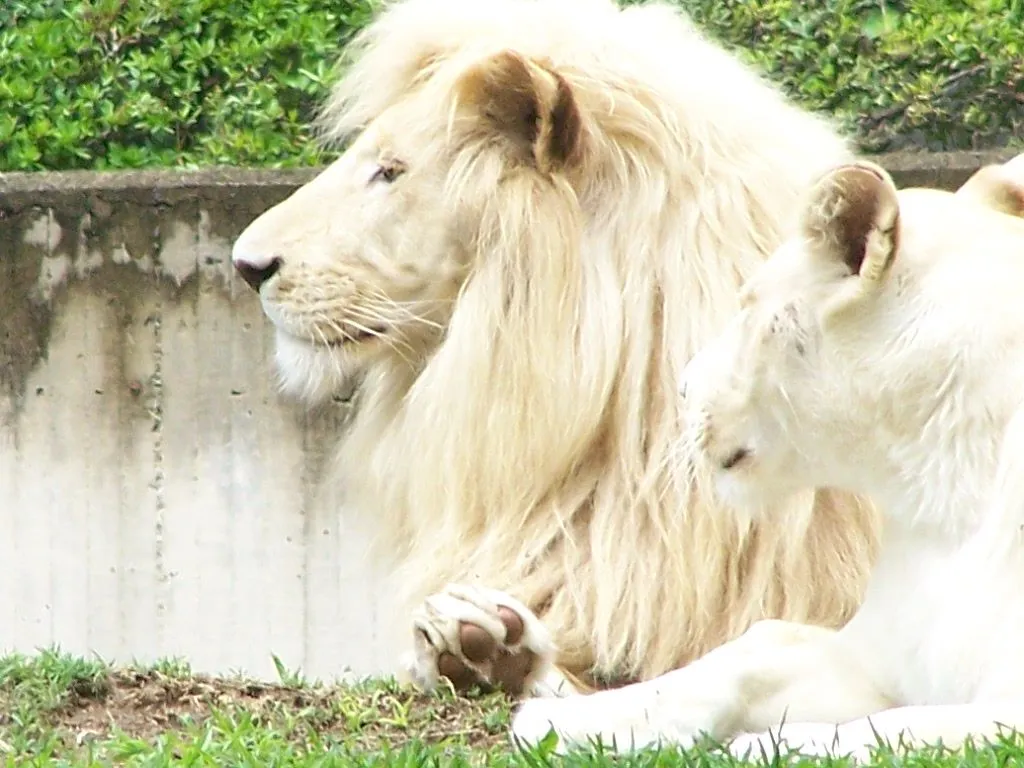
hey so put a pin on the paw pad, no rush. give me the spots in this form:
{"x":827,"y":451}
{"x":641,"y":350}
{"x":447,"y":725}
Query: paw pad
{"x":507,"y":668}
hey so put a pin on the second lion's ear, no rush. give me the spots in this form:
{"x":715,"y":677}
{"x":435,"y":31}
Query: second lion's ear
{"x":852,"y":216}
{"x":998,"y":186}
{"x":527,"y":105}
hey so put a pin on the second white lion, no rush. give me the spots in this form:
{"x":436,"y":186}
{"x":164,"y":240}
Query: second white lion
{"x":880,"y":351}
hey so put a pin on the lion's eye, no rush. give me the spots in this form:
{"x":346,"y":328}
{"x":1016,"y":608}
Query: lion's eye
{"x":387,"y":173}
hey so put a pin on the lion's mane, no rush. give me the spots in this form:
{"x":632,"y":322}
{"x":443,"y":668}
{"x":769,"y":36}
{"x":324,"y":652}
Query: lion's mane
{"x":531,"y":450}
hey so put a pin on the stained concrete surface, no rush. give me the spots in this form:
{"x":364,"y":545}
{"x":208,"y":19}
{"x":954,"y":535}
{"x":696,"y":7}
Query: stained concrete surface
{"x":157,"y":497}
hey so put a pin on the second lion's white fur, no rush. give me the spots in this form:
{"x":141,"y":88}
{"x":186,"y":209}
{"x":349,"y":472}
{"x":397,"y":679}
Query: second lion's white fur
{"x":880,"y":350}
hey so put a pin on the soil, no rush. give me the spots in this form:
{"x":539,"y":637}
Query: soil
{"x":146,"y":704}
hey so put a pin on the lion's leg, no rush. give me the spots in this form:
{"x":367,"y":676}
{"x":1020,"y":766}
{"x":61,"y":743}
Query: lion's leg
{"x":776,"y":671}
{"x":477,"y":636}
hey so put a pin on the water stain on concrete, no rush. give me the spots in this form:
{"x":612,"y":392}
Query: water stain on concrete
{"x":125,"y":241}
{"x":24,"y":321}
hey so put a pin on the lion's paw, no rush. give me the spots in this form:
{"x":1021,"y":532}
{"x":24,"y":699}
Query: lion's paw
{"x":480,"y":637}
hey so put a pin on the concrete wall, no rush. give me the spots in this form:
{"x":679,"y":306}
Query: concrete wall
{"x":157,"y":498}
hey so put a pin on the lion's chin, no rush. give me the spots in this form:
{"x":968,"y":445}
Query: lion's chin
{"x":746,"y":496}
{"x":311,"y":372}
{"x":754,"y":493}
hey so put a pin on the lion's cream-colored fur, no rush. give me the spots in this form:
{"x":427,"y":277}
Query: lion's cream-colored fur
{"x":879,"y":350}
{"x":1000,"y":186}
{"x":515,"y":426}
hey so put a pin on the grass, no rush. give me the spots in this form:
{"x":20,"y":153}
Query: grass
{"x":61,"y":710}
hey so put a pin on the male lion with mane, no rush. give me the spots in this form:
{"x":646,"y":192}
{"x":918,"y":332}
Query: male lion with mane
{"x":543,"y":210}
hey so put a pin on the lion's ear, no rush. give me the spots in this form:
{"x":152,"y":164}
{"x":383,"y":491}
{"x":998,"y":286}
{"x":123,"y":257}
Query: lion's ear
{"x":853,"y":216}
{"x":998,"y":186}
{"x":529,"y":105}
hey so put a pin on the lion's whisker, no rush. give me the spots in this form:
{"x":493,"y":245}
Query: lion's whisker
{"x":398,"y":345}
{"x":378,"y":314}
{"x":406,"y":310}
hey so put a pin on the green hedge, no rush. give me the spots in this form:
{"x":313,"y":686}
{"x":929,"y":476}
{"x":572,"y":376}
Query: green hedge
{"x":925,"y":74}
{"x":142,"y":83}
{"x":134,"y":83}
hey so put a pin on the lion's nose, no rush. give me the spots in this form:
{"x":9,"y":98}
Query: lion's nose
{"x":255,"y":270}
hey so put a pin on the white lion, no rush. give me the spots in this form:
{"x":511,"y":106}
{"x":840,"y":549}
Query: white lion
{"x":880,"y":350}
{"x":546,"y":206}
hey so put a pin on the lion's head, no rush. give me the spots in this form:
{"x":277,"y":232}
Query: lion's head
{"x":860,"y":336}
{"x":366,"y":261}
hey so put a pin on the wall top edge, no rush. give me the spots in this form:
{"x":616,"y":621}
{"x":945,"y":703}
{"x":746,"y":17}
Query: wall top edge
{"x":19,"y":190}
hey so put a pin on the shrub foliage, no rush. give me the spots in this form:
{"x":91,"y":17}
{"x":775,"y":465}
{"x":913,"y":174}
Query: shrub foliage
{"x":142,"y":83}
{"x":132,"y":83}
{"x":902,"y":74}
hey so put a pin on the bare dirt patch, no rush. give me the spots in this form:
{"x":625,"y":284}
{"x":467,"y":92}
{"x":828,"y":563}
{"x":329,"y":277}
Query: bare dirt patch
{"x":146,"y":704}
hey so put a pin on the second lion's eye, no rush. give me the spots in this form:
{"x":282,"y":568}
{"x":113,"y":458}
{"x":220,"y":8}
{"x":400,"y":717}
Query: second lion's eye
{"x":387,"y":173}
